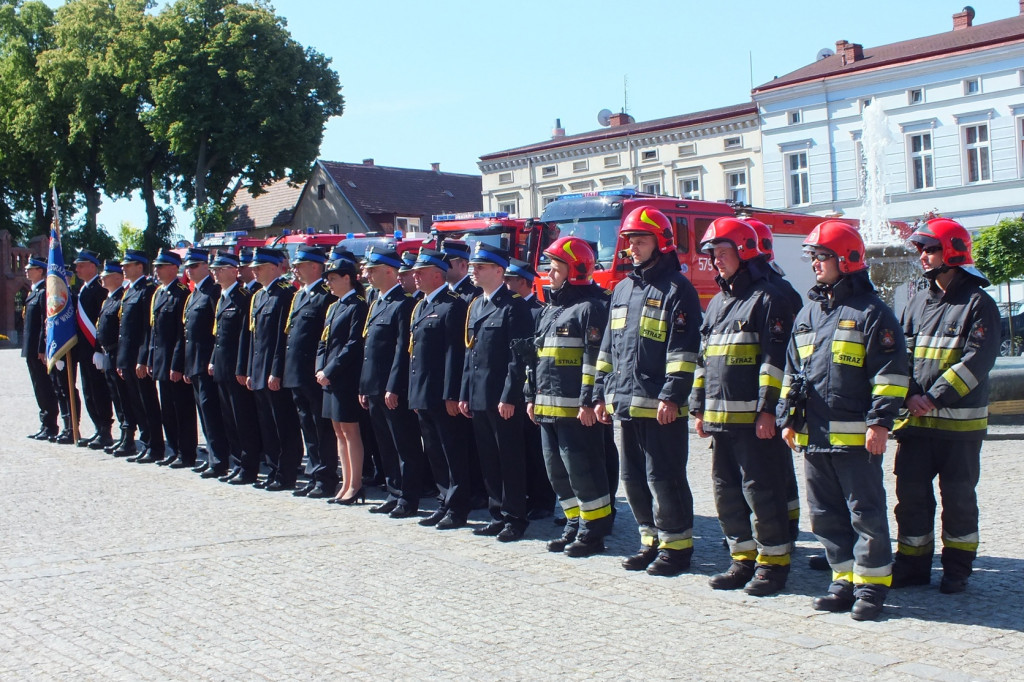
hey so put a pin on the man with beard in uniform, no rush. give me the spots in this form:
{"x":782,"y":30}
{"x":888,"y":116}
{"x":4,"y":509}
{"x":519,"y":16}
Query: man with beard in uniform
{"x":33,"y":344}
{"x":108,"y":327}
{"x":167,"y":362}
{"x":91,"y":295}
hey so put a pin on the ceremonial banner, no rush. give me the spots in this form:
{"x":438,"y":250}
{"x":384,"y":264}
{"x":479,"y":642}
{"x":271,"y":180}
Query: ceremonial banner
{"x":60,"y":315}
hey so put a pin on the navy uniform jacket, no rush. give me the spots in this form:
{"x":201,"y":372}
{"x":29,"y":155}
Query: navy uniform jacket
{"x":436,"y":350}
{"x":266,"y":322}
{"x":233,"y":337}
{"x":339,"y":353}
{"x":33,"y":341}
{"x":492,"y":373}
{"x":91,"y":296}
{"x":108,"y":326}
{"x":133,"y":344}
{"x":167,"y":338}
{"x":304,"y":328}
{"x":200,"y":310}
{"x":386,"y":364}
{"x":536,"y":308}
{"x":467,"y":290}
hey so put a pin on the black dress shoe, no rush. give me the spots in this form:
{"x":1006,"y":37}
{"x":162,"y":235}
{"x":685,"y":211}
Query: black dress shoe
{"x":84,"y":442}
{"x":491,"y":529}
{"x":41,"y":432}
{"x":101,"y":443}
{"x":451,"y":521}
{"x":242,"y":479}
{"x":260,"y":484}
{"x":150,"y":458}
{"x":63,"y":438}
{"x":319,"y":492}
{"x":179,"y":464}
{"x":200,"y":468}
{"x":403,"y":511}
{"x":230,"y":476}
{"x":212,"y":473}
{"x":141,"y":453}
{"x":434,"y":518}
{"x":276,"y":486}
{"x":168,"y":460}
{"x":46,"y":435}
{"x":511,"y":533}
{"x":384,"y":508}
{"x":304,"y":490}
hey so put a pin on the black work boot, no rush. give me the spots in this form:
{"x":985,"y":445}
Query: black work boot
{"x":569,"y":531}
{"x":839,"y":597}
{"x":952,"y":584}
{"x":735,"y":577}
{"x":670,"y":562}
{"x":957,"y":566}
{"x":585,"y":545}
{"x":768,"y":579}
{"x":102,"y":440}
{"x":908,"y":571}
{"x":642,"y":559}
{"x":869,"y":602}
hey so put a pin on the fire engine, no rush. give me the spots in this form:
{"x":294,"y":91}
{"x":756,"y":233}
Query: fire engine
{"x":232,"y":241}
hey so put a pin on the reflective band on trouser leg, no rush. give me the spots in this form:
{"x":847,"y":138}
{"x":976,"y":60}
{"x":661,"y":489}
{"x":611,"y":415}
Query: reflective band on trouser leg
{"x":967,"y":543}
{"x":895,"y":385}
{"x":570,"y":507}
{"x":863,"y":575}
{"x":648,"y":537}
{"x":794,"y":509}
{"x":843,"y":571}
{"x":596,"y":509}
{"x":773,"y":559}
{"x":848,"y":434}
{"x":682,"y":540}
{"x":743,"y":551}
{"x":915,"y":545}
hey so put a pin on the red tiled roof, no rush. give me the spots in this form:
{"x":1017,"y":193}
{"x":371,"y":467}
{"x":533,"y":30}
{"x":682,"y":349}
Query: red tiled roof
{"x":707,"y":116}
{"x":377,"y":190}
{"x":273,"y":208}
{"x":966,"y":39}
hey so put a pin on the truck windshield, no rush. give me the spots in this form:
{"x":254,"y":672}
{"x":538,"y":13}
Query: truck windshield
{"x":602,"y":233}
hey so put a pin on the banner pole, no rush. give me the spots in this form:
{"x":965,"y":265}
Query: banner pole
{"x":72,"y":395}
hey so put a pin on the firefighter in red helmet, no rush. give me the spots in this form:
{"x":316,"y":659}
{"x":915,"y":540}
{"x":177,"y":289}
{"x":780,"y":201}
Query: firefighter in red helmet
{"x":846,"y":379}
{"x":952,"y":332}
{"x":735,"y":395}
{"x":644,"y":375}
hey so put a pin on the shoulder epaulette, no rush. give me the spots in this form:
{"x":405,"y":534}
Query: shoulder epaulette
{"x":361,"y":298}
{"x":181,"y":285}
{"x":453,"y":294}
{"x":246,"y":291}
{"x":408,"y":295}
{"x":283,"y":284}
{"x":324,"y":288}
{"x":516,"y":296}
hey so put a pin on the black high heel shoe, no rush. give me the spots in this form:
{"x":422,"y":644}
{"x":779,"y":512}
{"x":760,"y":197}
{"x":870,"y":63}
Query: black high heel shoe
{"x":359,"y":495}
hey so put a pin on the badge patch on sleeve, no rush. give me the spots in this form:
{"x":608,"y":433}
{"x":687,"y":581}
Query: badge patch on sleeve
{"x":680,"y":321}
{"x":978,"y":334}
{"x":887,"y":339}
{"x":593,"y":335}
{"x":777,"y":330}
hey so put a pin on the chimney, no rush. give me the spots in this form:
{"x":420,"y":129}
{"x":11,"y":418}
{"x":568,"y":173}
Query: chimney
{"x":841,"y":45}
{"x":622,"y":119}
{"x":558,"y":131}
{"x":367,"y":162}
{"x":436,"y":167}
{"x":851,"y":52}
{"x":963,"y":19}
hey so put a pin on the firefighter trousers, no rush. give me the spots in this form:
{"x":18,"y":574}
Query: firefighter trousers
{"x":574,"y":458}
{"x":751,"y":493}
{"x":846,"y":501}
{"x":957,"y":463}
{"x":653,"y":469}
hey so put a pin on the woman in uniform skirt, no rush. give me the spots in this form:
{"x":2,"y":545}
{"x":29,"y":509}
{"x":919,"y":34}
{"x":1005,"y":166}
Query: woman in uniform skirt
{"x":338,"y":359}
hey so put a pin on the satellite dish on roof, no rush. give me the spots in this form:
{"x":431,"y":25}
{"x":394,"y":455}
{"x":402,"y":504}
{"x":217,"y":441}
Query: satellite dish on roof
{"x":824,"y":53}
{"x":604,"y":117}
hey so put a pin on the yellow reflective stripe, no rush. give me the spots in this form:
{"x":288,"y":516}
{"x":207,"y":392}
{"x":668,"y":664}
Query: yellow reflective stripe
{"x":618,"y":318}
{"x":648,"y":540}
{"x":848,"y":353}
{"x":802,"y":439}
{"x":773,"y":560}
{"x":846,"y":439}
{"x":965,"y":546}
{"x":588,"y":379}
{"x":686,"y":543}
{"x":715,"y":417}
{"x":698,"y":382}
{"x":735,"y":350}
{"x":908,"y":550}
{"x":552,"y":411}
{"x":954,"y":380}
{"x":805,"y":351}
{"x":676,"y":367}
{"x":872,"y":579}
{"x":603,"y":366}
{"x":958,"y":425}
{"x":946,"y":356}
{"x":652,"y":328}
{"x":644,"y":412}
{"x":594,"y":514}
{"x":562,"y":356}
{"x":842,"y":575}
{"x":890,"y":390}
{"x":794,"y":514}
{"x":572,"y":513}
{"x":769,"y":380}
{"x":749,"y":555}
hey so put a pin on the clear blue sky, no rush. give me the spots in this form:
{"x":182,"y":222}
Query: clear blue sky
{"x":449,"y":80}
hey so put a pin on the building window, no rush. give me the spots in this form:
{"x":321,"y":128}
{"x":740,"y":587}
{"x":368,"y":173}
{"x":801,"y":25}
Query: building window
{"x":1020,"y":143}
{"x":653,"y":187}
{"x":689,"y":188}
{"x":548,"y":171}
{"x":736,"y":186}
{"x":613,"y":183}
{"x":611,"y":161}
{"x":794,"y":117}
{"x":733,"y":142}
{"x":972,"y":86}
{"x":976,"y":153}
{"x":649,"y":155}
{"x":321,"y":192}
{"x":407,"y":225}
{"x":580,"y":166}
{"x":544,"y":201}
{"x":799,"y":179}
{"x":505,"y":178}
{"x":507,"y":207}
{"x":915,"y":96}
{"x":687,"y":149}
{"x":921,"y":164}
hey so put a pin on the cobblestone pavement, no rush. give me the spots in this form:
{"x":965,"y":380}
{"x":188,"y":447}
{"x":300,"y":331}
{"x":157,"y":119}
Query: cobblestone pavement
{"x":111,"y":570}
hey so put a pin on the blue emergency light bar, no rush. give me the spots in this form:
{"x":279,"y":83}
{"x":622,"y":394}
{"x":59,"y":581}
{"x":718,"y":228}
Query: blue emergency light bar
{"x":624,"y":192}
{"x":446,"y":217}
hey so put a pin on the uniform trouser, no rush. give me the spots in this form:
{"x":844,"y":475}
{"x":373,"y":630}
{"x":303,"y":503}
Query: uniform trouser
{"x":97,"y":395}
{"x":957,"y":463}
{"x":446,"y":446}
{"x":66,"y":392}
{"x":317,"y":434}
{"x":238,"y":411}
{"x":279,"y":429}
{"x":118,"y":391}
{"x":401,"y":451}
{"x":145,"y":407}
{"x":750,"y":484}
{"x":574,"y":457}
{"x":540,"y":496}
{"x":207,"y":398}
{"x":178,"y":413}
{"x":611,"y":458}
{"x":499,"y":444}
{"x":792,"y":491}
{"x":653,"y":470}
{"x":46,"y":397}
{"x":371,"y":452}
{"x":846,"y":501}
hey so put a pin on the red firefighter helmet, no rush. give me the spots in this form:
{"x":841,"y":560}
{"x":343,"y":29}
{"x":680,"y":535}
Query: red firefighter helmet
{"x":764,"y":238}
{"x":644,"y":220}
{"x":843,"y":240}
{"x":954,"y":239}
{"x":577,"y":254}
{"x":734,"y":231}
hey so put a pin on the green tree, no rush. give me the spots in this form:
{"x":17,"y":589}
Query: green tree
{"x":999,"y":253}
{"x":129,"y":237}
{"x":236,"y":98}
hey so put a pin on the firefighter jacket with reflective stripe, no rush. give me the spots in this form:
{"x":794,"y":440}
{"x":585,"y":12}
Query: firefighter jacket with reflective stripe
{"x":649,"y":350}
{"x":953,"y":340}
{"x":742,"y":358}
{"x":568,"y":340}
{"x":853,"y":352}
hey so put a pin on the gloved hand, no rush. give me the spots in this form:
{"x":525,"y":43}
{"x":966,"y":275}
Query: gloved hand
{"x":100,"y":361}
{"x":59,"y":365}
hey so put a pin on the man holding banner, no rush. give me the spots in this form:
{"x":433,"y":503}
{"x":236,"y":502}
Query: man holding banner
{"x":61,"y":333}
{"x":91,"y":295}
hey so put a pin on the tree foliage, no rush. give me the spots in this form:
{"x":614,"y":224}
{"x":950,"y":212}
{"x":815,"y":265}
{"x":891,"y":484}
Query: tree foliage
{"x":999,"y":250}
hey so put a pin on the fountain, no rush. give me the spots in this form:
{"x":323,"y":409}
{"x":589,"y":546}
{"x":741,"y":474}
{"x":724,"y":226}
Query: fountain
{"x":893,"y":266}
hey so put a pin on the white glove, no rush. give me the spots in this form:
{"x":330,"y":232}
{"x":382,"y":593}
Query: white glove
{"x":59,"y":365}
{"x":100,"y":361}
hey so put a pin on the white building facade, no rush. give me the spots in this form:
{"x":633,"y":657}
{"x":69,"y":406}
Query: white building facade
{"x":711,"y":155}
